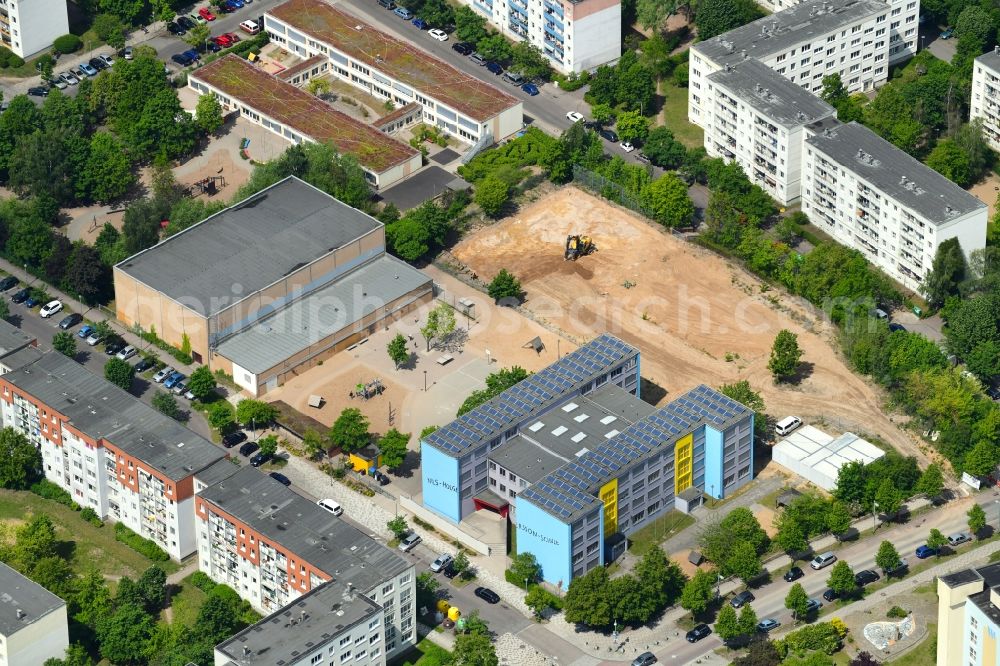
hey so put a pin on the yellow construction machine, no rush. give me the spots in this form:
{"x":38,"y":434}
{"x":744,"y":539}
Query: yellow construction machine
{"x":578,"y":246}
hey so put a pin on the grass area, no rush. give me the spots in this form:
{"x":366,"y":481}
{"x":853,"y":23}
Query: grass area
{"x":651,"y":535}
{"x":426,"y":653}
{"x":186,"y":602}
{"x":924,"y":654}
{"x":92,"y":546}
{"x":462,"y":581}
{"x":675,"y":113}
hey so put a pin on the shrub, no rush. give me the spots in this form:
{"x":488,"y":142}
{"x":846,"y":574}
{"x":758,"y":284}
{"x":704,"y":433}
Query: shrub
{"x":67,"y":44}
{"x":140,"y":544}
{"x":897,"y":612}
{"x":201,"y":580}
{"x":15,"y":60}
{"x":91,"y":517}
{"x":5,"y":56}
{"x":51,"y":491}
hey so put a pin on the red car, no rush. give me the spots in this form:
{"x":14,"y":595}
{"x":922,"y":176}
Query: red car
{"x":223,"y":41}
{"x":205,"y":14}
{"x":233,"y":37}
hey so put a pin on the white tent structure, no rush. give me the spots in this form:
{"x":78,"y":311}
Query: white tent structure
{"x":818,"y":457}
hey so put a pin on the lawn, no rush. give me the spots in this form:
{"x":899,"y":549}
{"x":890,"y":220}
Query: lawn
{"x":427,"y":653}
{"x":92,"y":546}
{"x":675,"y":113}
{"x":651,"y":535}
{"x":185,"y":603}
{"x":924,"y":654}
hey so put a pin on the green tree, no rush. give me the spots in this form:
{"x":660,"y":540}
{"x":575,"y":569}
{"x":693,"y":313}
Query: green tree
{"x":948,"y":271}
{"x":659,"y":578}
{"x":785,"y":356}
{"x":408,"y":239}
{"x":107,"y":173}
{"x":668,"y":201}
{"x":936,"y":540}
{"x":221,"y":416}
{"x":398,"y":351}
{"x":742,"y":561}
{"x":931,"y":482}
{"x":727,"y":625}
{"x":663,"y":149}
{"x":587,"y":600}
{"x":838,"y":518}
{"x":496,"y":383}
{"x":255,"y":412}
{"x":973,"y":321}
{"x":208,"y":112}
{"x":461,"y":564}
{"x":888,"y":498}
{"x":4,"y":310}
{"x":797,"y":601}
{"x":748,"y":620}
{"x":491,"y":195}
{"x":125,"y":637}
{"x":790,"y":535}
{"x":268,"y":446}
{"x":841,"y":579}
{"x":474,"y":650}
{"x":714,"y":17}
{"x":202,"y":383}
{"x":742,"y":393}
{"x":632,"y":126}
{"x":699,"y":591}
{"x":602,"y":113}
{"x":949,"y":160}
{"x":86,"y":275}
{"x":64,"y":342}
{"x":398,"y":527}
{"x":834,"y":91}
{"x":469,"y":26}
{"x":314,"y":443}
{"x":438,"y":14}
{"x":198,"y":36}
{"x":524,"y":566}
{"x":350,"y":431}
{"x":761,"y":652}
{"x":851,"y":483}
{"x":504,"y":285}
{"x":152,"y":586}
{"x":977,"y":519}
{"x":887,"y":557}
{"x":20,"y":461}
{"x":494,"y":47}
{"x":140,"y":226}
{"x":167,"y":404}
{"x":107,"y":27}
{"x":120,"y":373}
{"x":531,"y":62}
{"x":392,"y":448}
{"x":984,"y":361}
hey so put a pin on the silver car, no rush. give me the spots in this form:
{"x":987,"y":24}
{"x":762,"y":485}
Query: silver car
{"x":69,"y":78}
{"x":163,"y":374}
{"x":409,"y":542}
{"x":442,"y":562}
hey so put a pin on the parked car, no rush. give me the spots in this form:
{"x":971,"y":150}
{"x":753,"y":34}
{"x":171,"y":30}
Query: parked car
{"x":741,"y":599}
{"x":70,"y":320}
{"x":530,"y":88}
{"x":574,"y":117}
{"x":85,"y":331}
{"x":88,"y":69}
{"x":174,"y":377}
{"x":33,"y":300}
{"x":187,"y":22}
{"x":233,"y":37}
{"x":94,"y":338}
{"x":898,"y":569}
{"x":180,"y":388}
{"x":175,"y":28}
{"x":331,"y":505}
{"x":487,"y":595}
{"x":381,"y":478}
{"x":250,"y":27}
{"x":213,"y":47}
{"x":57,"y":82}
{"x":609,"y":135}
{"x":449,"y":572}
{"x":234,"y":438}
{"x":478,"y":59}
{"x":642,"y":157}
{"x":98,"y":64}
{"x":823,"y":560}
{"x":280,"y":478}
{"x":108,"y":59}
{"x":127,"y":53}
{"x":813,"y":605}
{"x":793,"y":574}
{"x":925,"y":551}
{"x":50,"y":309}
{"x":787,"y":425}
{"x":893,"y":327}
{"x":420,"y":24}
{"x":438,"y":34}
{"x":947,"y":33}
{"x":206,"y":14}
{"x":958,"y":538}
{"x":144,"y":364}
{"x":403,"y":13}
{"x":698,"y":633}
{"x":248,"y":448}
{"x":114,"y":346}
{"x":126,"y":353}
{"x":644,"y":659}
{"x":494,"y":67}
{"x":514,"y":78}
{"x":21,"y":296}
{"x":39,"y":91}
{"x":463,"y":48}
{"x":831,"y":595}
{"x":259,"y":459}
{"x":387,"y":4}
{"x":409,"y":542}
{"x":68,"y":78}
{"x":767,"y":624}
{"x":163,"y":373}
{"x":626,"y":146}
{"x":443,"y":560}
{"x":182,"y":59}
{"x":8,"y":283}
{"x":865,"y":577}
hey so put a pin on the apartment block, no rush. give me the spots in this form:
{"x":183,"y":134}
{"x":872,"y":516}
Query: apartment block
{"x":575,"y":35}
{"x":757,"y":117}
{"x":112,"y":452}
{"x":985,"y":98}
{"x":969,"y":617}
{"x":871,"y":196}
{"x":804,"y":43}
{"x":33,"y":624}
{"x":28,"y":27}
{"x":391,"y":69}
{"x":275,"y":548}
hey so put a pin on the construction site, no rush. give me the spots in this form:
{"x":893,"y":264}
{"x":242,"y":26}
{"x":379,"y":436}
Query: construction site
{"x":697,"y":317}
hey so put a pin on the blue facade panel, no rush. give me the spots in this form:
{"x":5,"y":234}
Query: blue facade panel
{"x":440,"y":482}
{"x":714,"y":447}
{"x":548,"y":539}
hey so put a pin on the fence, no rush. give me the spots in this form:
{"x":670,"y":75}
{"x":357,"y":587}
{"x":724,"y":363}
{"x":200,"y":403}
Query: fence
{"x":608,"y":189}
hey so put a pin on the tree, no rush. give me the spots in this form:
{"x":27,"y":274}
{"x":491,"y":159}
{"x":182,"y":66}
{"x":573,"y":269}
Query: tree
{"x":408,"y":239}
{"x":984,"y":361}
{"x":790,"y":535}
{"x":140,"y":226}
{"x":742,"y":393}
{"x":255,"y":412}
{"x":152,"y":586}
{"x":41,"y":164}
{"x":888,"y":498}
{"x":350,"y":431}
{"x":864,"y":659}
{"x":668,"y":201}
{"x":125,"y":636}
{"x":208,"y":112}
{"x":742,"y":561}
{"x":491,"y":195}
{"x":398,"y":351}
{"x":494,"y":47}
{"x":947,"y":272}
{"x":663,"y":149}
{"x":202,"y":382}
{"x":440,"y":324}
{"x":504,"y":285}
{"x":887,"y":557}
{"x":699,"y":591}
{"x":469,"y":26}
{"x":64,"y":342}
{"x":761,"y":652}
{"x":4,"y":310}
{"x":496,"y":383}
{"x":167,"y":404}
{"x":602,"y":114}
{"x":20,"y":461}
{"x":931,"y":481}
{"x":727,"y":625}
{"x":120,"y":373}
{"x":221,"y":416}
{"x":87,"y":275}
{"x":524,"y":566}
{"x":107,"y":173}
{"x":841,"y":579}
{"x":977,"y":519}
{"x":268,"y":446}
{"x":714,"y":17}
{"x":198,"y":36}
{"x":461,"y":564}
{"x":314,"y":443}
{"x":474,"y":650}
{"x":398,"y":527}
{"x":587,"y":600}
{"x":838,"y":518}
{"x":530,"y":61}
{"x":659,"y":578}
{"x":632,"y":126}
{"x":936,"y":540}
{"x":785,"y":355}
{"x":851,"y":483}
{"x":949,"y":160}
{"x":747,"y":621}
{"x":392,"y":448}
{"x":797,"y":601}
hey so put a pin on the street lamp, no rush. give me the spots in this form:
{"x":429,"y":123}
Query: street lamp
{"x":425,"y":381}
{"x":525,"y":583}
{"x":997,"y":502}
{"x":874,"y":515}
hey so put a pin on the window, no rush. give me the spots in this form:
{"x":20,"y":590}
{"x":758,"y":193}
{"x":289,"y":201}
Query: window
{"x":316,"y":658}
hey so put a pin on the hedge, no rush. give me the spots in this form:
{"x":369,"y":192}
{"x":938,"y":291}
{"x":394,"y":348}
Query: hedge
{"x":67,"y":44}
{"x":51,"y":491}
{"x":140,"y":544}
{"x":201,"y":580}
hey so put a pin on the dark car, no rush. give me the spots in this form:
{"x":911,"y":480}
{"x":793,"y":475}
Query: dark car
{"x":741,"y":599}
{"x":494,"y":67}
{"x":280,"y":478}
{"x":32,"y":301}
{"x":144,"y":364}
{"x":70,"y":320}
{"x":831,"y":595}
{"x":248,"y":448}
{"x":609,"y":135}
{"x":793,"y":574}
{"x":193,"y":54}
{"x":381,"y":478}
{"x":182,"y":59}
{"x":644,"y":659}
{"x":8,"y":282}
{"x":114,"y":347}
{"x":698,"y":633}
{"x":234,"y":438}
{"x":487,"y":595}
{"x":185,"y":22}
{"x":38,"y":91}
{"x":896,"y":327}
{"x":213,"y":47}
{"x":530,"y":88}
{"x":449,"y":572}
{"x":464,"y":48}
{"x":21,"y":296}
{"x":420,"y":24}
{"x":98,"y":64}
{"x":259,"y":460}
{"x":865,"y":577}
{"x":925,"y":551}
{"x":175,"y":29}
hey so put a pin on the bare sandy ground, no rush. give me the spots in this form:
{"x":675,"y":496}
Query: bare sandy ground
{"x":696,"y":317}
{"x":987,"y":191}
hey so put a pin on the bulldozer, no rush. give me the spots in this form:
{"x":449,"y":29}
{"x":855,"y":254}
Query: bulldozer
{"x":578,"y":246}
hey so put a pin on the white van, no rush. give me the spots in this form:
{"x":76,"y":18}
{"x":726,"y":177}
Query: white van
{"x":787,"y":425}
{"x":250,"y":27}
{"x":331,"y":505}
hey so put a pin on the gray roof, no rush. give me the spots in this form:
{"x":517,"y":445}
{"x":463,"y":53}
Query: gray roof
{"x":216,"y":472}
{"x":101,"y":410}
{"x":305,"y":625}
{"x":568,"y":492}
{"x":991,"y":59}
{"x":301,"y":527}
{"x":774,"y":96}
{"x":796,"y":25}
{"x":248,"y":246}
{"x":21,"y":357}
{"x":892,"y":171}
{"x":20,"y":593}
{"x":989,"y":574}
{"x":322,"y":313}
{"x":12,"y":338}
{"x":534,"y":395}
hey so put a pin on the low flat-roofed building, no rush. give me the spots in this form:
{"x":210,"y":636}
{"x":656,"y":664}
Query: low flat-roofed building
{"x":389,"y":68}
{"x":17,"y":348}
{"x":296,"y":115}
{"x":33,"y":624}
{"x":818,"y":457}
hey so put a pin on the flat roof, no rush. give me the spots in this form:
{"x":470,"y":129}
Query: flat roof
{"x":217,"y":471}
{"x":322,"y":313}
{"x":800,"y":23}
{"x":991,"y":59}
{"x":101,"y":410}
{"x":774,"y":96}
{"x":306,"y":114}
{"x":533,"y":395}
{"x":989,"y":574}
{"x":301,"y":627}
{"x":21,"y":357}
{"x":892,"y":171}
{"x":402,"y":61}
{"x":811,"y":447}
{"x":301,"y":527}
{"x":12,"y":338}
{"x":18,"y":592}
{"x":248,"y":246}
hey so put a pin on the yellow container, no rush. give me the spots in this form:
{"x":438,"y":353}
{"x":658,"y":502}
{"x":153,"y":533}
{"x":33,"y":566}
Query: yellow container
{"x":454,"y":614}
{"x":443,"y":605}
